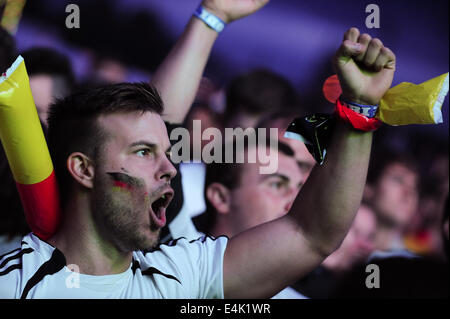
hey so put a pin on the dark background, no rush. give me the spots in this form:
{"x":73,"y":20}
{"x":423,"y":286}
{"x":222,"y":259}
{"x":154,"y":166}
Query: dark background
{"x":295,"y":38}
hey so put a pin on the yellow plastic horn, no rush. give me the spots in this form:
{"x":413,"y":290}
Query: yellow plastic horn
{"x":27,"y":152}
{"x":406,"y":103}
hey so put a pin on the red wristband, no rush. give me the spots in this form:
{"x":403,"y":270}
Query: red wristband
{"x":358,"y":121}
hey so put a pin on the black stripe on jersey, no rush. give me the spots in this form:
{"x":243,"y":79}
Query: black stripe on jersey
{"x":170,"y":243}
{"x":12,"y":251}
{"x":173,"y":242}
{"x":56,"y":262}
{"x":213,"y":238}
{"x":135,"y":266}
{"x":151,"y":271}
{"x":165,"y":238}
{"x":16,"y":256}
{"x":11,"y":268}
{"x":9,"y":252}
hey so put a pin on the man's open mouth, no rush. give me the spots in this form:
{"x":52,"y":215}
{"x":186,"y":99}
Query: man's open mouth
{"x":159,"y":207}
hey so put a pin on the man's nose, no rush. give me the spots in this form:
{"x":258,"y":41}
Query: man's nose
{"x":288,"y":206}
{"x":291,"y":195}
{"x":167,"y":171}
{"x":410,"y":191}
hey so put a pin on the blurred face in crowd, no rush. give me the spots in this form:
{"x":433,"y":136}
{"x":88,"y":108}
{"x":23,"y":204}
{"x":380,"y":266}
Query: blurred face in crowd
{"x":305,"y":160}
{"x":263,"y":197}
{"x":42,"y":89}
{"x":111,"y":71}
{"x":131,"y":189}
{"x":431,"y":202}
{"x":395,"y":195}
{"x":359,"y":242}
{"x":244,"y":120}
{"x":207,"y":120}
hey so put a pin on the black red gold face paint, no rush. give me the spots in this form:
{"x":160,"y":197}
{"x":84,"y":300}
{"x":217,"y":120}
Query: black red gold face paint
{"x":125,"y":181}
{"x":132,"y":185}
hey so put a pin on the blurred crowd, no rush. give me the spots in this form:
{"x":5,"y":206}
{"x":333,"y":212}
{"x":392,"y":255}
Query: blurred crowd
{"x":402,"y":224}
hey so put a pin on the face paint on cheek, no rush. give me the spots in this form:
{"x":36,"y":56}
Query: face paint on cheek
{"x":133,"y":188}
{"x":121,"y":186}
{"x":125,"y":183}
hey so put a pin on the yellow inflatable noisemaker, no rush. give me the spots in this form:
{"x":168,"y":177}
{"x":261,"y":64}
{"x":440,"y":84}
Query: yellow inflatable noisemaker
{"x":406,"y":103}
{"x":27,"y":152}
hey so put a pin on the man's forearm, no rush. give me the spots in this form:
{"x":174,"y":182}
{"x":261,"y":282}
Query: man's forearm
{"x":328,"y":201}
{"x":178,"y":77}
{"x":326,"y":205}
{"x":317,"y":223}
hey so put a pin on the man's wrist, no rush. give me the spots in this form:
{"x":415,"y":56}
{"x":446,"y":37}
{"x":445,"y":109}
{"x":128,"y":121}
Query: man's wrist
{"x":211,"y":20}
{"x":361,"y":117}
{"x":210,"y":7}
{"x":358,"y":99}
{"x":364,"y":109}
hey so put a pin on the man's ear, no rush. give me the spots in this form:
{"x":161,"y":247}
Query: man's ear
{"x":219,"y":197}
{"x":81,"y":168}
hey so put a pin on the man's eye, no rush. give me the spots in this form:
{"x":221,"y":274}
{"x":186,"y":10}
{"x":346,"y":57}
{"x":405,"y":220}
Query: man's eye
{"x":143,"y":152}
{"x":276,"y":185}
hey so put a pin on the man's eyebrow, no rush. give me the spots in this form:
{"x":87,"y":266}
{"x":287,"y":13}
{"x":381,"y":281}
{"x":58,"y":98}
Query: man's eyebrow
{"x":150,"y":145}
{"x":286,"y":149}
{"x":267,"y":176}
{"x":144,"y":143}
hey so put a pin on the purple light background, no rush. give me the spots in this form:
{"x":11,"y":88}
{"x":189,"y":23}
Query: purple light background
{"x":294,"y":38}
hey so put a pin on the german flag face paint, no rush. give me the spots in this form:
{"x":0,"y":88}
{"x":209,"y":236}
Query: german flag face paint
{"x":124,"y":181}
{"x":131,"y":186}
{"x":132,"y":190}
{"x":26,"y":149}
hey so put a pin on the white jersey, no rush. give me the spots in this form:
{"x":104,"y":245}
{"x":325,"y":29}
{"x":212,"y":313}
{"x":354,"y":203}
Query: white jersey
{"x":181,"y":269}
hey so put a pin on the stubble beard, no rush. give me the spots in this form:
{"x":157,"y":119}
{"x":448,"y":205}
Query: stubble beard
{"x":118,"y":217}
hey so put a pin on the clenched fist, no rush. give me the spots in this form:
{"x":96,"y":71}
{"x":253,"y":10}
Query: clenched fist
{"x":365,"y":68}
